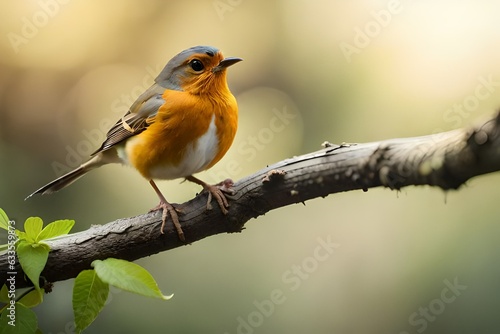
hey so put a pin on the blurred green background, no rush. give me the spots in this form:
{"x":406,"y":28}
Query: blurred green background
{"x":342,"y":71}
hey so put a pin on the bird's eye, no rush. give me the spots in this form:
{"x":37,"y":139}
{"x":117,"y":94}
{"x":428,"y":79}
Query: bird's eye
{"x":196,"y":65}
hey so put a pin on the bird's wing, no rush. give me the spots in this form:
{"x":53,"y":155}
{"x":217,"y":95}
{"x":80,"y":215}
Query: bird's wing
{"x":140,"y":115}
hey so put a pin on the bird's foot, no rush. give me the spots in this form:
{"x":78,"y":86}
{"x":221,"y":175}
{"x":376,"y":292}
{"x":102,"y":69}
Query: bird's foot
{"x":216,"y":191}
{"x":168,"y":209}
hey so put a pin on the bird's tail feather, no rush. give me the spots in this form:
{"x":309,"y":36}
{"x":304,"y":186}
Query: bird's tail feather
{"x":69,"y":178}
{"x":61,"y":182}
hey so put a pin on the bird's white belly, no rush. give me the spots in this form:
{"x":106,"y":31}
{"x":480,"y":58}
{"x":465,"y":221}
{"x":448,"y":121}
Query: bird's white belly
{"x":197,"y":157}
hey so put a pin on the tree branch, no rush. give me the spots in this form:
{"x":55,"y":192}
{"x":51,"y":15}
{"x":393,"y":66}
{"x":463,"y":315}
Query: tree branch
{"x":445,"y":160}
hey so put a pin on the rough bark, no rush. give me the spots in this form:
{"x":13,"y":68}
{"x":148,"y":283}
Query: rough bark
{"x":445,"y":160}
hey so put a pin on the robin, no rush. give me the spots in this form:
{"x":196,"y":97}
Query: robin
{"x":183,"y":124}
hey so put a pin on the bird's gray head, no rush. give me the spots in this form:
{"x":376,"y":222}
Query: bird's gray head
{"x":194,"y":64}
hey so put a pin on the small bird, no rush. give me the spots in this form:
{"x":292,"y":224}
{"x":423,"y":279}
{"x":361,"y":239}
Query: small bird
{"x":181,"y":125}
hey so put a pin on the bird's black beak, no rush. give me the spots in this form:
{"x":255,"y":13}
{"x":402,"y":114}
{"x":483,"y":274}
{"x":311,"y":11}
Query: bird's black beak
{"x":225,"y":63}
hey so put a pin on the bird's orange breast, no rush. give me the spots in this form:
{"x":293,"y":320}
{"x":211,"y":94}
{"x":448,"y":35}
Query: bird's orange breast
{"x":189,"y":134}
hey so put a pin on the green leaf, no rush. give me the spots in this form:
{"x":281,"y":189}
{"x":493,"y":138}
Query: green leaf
{"x":22,"y":320}
{"x":4,"y":291}
{"x":32,"y":298}
{"x":32,"y":260}
{"x":55,"y":229}
{"x":21,"y":235}
{"x":33,"y":227}
{"x":41,"y":245}
{"x":89,"y":297}
{"x":4,"y":220}
{"x":128,"y":276}
{"x":29,"y":298}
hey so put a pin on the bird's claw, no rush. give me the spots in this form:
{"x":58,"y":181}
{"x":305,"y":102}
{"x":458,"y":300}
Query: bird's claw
{"x":167,"y":209}
{"x":226,"y":186}
{"x":217,"y":193}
